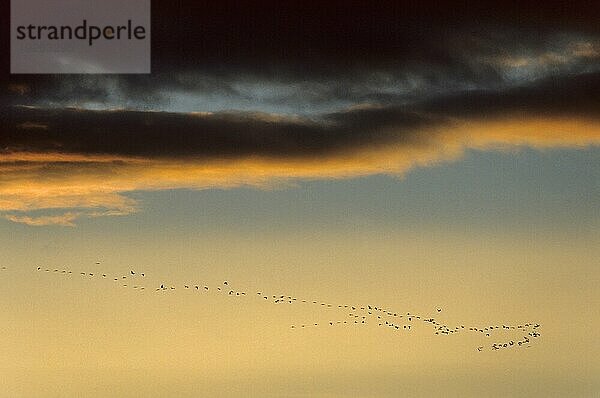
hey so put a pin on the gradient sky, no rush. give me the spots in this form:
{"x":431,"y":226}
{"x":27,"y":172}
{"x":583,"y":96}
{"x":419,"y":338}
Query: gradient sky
{"x":413,"y":157}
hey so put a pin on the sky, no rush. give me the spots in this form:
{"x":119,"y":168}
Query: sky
{"x":434,"y":159}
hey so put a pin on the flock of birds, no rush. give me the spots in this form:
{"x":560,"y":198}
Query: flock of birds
{"x":356,"y":314}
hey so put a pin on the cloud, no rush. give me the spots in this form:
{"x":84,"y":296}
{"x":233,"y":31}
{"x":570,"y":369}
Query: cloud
{"x":402,"y":65}
{"x":30,"y":125}
{"x":234,"y":135}
{"x":341,"y":90}
{"x":95,"y":186}
{"x":65,"y":220}
{"x":83,"y":163}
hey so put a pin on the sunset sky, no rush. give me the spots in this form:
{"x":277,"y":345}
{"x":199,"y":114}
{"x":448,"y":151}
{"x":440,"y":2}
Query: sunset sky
{"x":427,"y":159}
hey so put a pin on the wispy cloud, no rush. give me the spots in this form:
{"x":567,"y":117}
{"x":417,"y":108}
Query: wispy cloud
{"x":65,"y":220}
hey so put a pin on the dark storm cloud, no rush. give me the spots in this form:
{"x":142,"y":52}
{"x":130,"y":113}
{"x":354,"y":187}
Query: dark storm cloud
{"x":331,"y":50}
{"x":237,"y":135}
{"x":162,"y":134}
{"x":475,"y":60}
{"x":565,"y":96}
{"x":354,"y":34}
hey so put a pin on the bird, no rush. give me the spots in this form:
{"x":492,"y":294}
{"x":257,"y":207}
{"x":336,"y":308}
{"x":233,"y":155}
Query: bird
{"x":439,"y":310}
{"x":132,"y":273}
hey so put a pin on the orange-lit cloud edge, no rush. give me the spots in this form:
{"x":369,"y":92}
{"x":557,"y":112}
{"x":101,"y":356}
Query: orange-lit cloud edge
{"x":58,"y":189}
